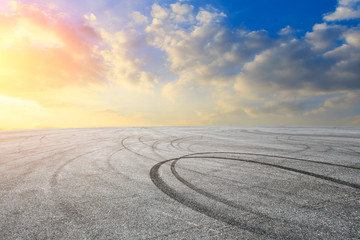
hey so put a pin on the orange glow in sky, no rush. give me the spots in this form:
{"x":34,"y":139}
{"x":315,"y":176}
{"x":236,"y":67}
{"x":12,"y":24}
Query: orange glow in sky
{"x":100,"y":64}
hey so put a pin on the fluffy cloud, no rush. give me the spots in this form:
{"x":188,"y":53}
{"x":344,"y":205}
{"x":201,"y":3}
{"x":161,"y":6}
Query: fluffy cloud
{"x":182,"y":12}
{"x":288,"y":30}
{"x":269,"y":76}
{"x":343,"y":101}
{"x":347,"y":9}
{"x":310,"y":66}
{"x":43,"y":50}
{"x":206,"y":51}
{"x":354,"y":120}
{"x":138,"y":18}
{"x":121,"y":67}
{"x":274,"y":108}
{"x":325,"y":36}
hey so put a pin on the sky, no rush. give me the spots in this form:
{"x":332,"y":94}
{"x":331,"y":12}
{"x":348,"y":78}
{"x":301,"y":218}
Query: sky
{"x":179,"y":63}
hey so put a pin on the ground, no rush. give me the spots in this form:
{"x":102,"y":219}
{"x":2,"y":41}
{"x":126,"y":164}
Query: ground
{"x":180,"y":183}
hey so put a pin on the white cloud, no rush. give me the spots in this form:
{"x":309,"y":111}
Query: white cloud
{"x":204,"y":51}
{"x":348,"y":2}
{"x":121,"y":68}
{"x":90,"y":17}
{"x":270,"y":75}
{"x":138,"y":18}
{"x":354,"y":120}
{"x":209,"y":16}
{"x":344,"y":101}
{"x":274,"y":108}
{"x":347,"y":9}
{"x":288,"y":30}
{"x":352,"y":37}
{"x":314,"y":65}
{"x":182,"y":12}
{"x":325,"y":36}
{"x":158,"y":12}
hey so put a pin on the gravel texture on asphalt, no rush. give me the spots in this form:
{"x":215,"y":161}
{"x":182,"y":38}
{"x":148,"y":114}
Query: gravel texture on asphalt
{"x":180,"y":183}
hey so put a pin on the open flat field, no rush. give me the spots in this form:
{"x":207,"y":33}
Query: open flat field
{"x":180,"y":183}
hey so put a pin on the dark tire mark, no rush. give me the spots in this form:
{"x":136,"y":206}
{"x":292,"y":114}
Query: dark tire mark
{"x":140,"y":139}
{"x":172,"y":143}
{"x":305,"y":135}
{"x":178,"y":142}
{"x":305,"y":147}
{"x":154,"y":149}
{"x":153,"y":146}
{"x":31,"y":166}
{"x":53,"y":179}
{"x":281,"y":157}
{"x":199,"y":207}
{"x":216,"y":214}
{"x":212,"y":196}
{"x":189,"y":148}
{"x":111,"y":166}
{"x":132,"y":151}
{"x":323,"y":177}
{"x":356,"y":153}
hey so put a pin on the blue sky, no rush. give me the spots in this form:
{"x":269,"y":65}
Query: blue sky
{"x":146,"y":63}
{"x":274,"y":15}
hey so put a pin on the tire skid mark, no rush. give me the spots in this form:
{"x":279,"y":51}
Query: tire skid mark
{"x":178,"y":142}
{"x":305,"y":147}
{"x":212,"y":196}
{"x":303,"y":134}
{"x":53,"y":179}
{"x":166,"y":139}
{"x":189,"y":148}
{"x":68,"y":208}
{"x":345,"y":150}
{"x":56,"y":147}
{"x":189,"y":145}
{"x":175,"y":140}
{"x":154,"y":149}
{"x":281,"y":157}
{"x":32,"y":155}
{"x":32,"y":165}
{"x":132,"y":151}
{"x":37,"y":160}
{"x":152,"y":146}
{"x":261,"y":217}
{"x":20,"y":143}
{"x":196,"y":206}
{"x":11,"y":184}
{"x":245,"y":186}
{"x":216,"y":214}
{"x":182,"y":140}
{"x":111,"y":166}
{"x":140,"y":139}
{"x":356,"y":153}
{"x":323,"y":177}
{"x":188,"y":139}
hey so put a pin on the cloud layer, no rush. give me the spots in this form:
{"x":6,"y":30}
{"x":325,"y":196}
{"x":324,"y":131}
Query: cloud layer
{"x":274,"y":73}
{"x":176,"y":63}
{"x":346,"y":10}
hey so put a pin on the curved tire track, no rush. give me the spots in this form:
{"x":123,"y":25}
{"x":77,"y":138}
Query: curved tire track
{"x":216,"y":214}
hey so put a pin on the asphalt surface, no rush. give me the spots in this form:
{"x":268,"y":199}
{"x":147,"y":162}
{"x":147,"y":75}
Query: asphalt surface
{"x":180,"y":183}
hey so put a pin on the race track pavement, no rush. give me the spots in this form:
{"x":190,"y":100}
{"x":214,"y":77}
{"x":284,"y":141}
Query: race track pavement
{"x":180,"y":183}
